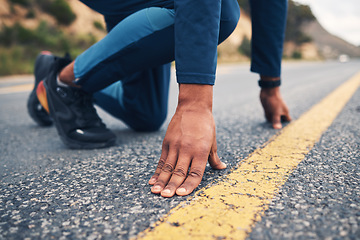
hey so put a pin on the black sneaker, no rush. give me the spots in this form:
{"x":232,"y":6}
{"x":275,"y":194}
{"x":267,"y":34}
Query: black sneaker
{"x":74,"y":114}
{"x":42,"y":68}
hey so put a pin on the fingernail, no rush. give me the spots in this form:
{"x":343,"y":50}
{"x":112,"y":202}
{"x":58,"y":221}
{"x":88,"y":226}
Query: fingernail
{"x":181,"y":190}
{"x":152,"y":180}
{"x":166,"y":191}
{"x":223,"y":165}
{"x":277,"y":126}
{"x":156,"y":188}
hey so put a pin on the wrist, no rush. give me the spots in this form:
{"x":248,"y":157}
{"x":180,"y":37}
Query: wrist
{"x":197,"y":97}
{"x":268,"y":92}
{"x":266,"y":78}
{"x":269,"y":82}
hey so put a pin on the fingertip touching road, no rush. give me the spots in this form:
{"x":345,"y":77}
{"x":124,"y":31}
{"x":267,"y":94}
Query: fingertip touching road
{"x":298,"y":183}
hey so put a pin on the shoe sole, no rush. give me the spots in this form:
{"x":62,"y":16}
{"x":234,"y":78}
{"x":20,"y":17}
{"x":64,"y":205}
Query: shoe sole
{"x":34,"y":113}
{"x":41,"y":95}
{"x":71,"y":143}
{"x":33,"y":102}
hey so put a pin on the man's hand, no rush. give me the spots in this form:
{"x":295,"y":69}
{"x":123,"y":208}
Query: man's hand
{"x":190,"y":141}
{"x":274,"y":106}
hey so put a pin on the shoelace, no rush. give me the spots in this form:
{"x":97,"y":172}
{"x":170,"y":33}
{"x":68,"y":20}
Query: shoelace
{"x":83,"y":102}
{"x":88,"y":115}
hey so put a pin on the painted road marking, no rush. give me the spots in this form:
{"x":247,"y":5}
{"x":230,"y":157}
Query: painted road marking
{"x":16,"y":88}
{"x":229,"y":209}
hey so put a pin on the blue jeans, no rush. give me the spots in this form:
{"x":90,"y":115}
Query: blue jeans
{"x":129,"y":70}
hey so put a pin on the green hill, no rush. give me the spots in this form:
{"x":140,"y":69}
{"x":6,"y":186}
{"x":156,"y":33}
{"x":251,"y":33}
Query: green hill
{"x":30,"y":26}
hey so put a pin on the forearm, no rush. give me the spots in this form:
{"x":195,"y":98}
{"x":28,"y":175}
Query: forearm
{"x":197,"y":26}
{"x":268,"y":20}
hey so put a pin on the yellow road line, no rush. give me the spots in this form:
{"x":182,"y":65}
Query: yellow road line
{"x":16,"y":88}
{"x":230,"y":208}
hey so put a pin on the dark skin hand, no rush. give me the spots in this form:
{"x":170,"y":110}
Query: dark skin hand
{"x":190,"y":141}
{"x":274,"y":106}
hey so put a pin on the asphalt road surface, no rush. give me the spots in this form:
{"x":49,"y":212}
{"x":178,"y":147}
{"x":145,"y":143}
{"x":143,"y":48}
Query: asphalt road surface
{"x":50,"y":192}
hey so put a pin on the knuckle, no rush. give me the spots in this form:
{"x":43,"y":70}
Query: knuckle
{"x":168,"y":168}
{"x":176,"y":144}
{"x":161,"y":163}
{"x":180,"y":172}
{"x":195,"y":173}
{"x":185,"y":144}
{"x":200,"y":149}
{"x":203,"y":150}
{"x":165,"y":142}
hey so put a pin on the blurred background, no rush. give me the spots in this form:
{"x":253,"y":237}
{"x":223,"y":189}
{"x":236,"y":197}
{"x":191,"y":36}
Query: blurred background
{"x":316,"y":30}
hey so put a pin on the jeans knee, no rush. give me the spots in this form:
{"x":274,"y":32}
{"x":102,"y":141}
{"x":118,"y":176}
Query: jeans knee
{"x":230,"y":14}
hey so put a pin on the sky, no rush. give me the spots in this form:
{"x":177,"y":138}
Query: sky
{"x":341,"y":18}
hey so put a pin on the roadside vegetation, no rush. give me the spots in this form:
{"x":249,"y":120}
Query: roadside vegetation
{"x":59,"y":9}
{"x":298,"y":14}
{"x":19,"y":45}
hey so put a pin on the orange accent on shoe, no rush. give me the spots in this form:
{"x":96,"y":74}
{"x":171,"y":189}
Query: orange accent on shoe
{"x":46,"y":53}
{"x":41,"y":94}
